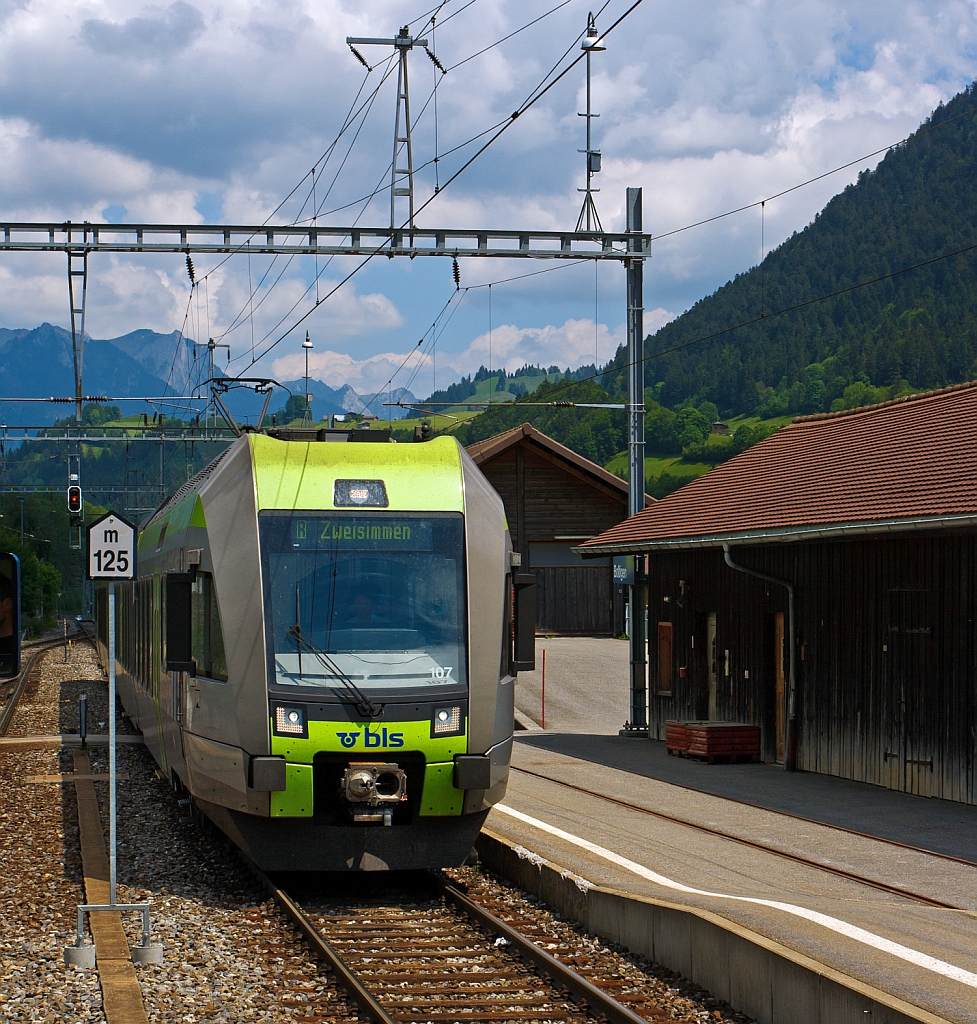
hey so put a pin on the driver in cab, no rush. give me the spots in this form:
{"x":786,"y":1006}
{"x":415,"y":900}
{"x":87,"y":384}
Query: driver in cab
{"x":363,"y":613}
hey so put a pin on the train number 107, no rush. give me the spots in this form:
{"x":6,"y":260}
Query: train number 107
{"x":111,"y":561}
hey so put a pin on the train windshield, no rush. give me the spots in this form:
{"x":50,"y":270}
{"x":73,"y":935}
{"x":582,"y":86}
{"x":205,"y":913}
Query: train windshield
{"x":355,"y":601}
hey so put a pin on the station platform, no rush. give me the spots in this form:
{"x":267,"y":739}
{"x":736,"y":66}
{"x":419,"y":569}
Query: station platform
{"x":878,"y":886}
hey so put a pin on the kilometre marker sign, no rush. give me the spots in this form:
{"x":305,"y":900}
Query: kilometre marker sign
{"x":111,"y":549}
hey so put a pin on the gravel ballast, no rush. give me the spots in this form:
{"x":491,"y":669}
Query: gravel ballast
{"x":677,"y":998}
{"x":230,"y":953}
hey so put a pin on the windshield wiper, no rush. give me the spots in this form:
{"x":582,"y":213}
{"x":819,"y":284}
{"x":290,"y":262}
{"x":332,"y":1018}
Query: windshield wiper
{"x":363,"y":703}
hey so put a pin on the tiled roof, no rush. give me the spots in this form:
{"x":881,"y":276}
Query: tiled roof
{"x":902,"y":464}
{"x":483,"y":451}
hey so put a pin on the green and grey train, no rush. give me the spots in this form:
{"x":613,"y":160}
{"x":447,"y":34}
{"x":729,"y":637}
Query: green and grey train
{"x":321,"y":647}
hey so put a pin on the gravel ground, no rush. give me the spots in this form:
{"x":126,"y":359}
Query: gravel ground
{"x":678,"y":998}
{"x":40,"y":884}
{"x":230,"y":955}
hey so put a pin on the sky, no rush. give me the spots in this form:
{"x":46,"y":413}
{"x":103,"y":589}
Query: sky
{"x":216,"y":111}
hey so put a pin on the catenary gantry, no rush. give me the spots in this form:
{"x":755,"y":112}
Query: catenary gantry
{"x":291,"y":239}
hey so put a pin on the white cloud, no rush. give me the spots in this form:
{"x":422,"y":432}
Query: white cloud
{"x":217,"y":109}
{"x":572,"y":344}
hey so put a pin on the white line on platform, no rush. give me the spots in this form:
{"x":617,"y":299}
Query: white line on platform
{"x":913,"y":956}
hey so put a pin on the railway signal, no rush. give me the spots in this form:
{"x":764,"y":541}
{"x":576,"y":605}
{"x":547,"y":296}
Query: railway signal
{"x":74,"y":499}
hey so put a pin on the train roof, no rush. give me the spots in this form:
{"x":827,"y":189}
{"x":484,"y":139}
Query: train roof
{"x":301,"y":474}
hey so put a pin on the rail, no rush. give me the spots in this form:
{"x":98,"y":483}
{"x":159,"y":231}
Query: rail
{"x":422,"y":969}
{"x":20,"y":682}
{"x":33,"y":650}
{"x":797,"y":858}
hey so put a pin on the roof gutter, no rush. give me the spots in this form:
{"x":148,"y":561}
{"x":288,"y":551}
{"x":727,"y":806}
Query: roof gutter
{"x":780,"y":535}
{"x":789,"y":710}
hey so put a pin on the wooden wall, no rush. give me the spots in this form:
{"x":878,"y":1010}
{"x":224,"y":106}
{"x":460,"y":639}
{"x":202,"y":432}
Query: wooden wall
{"x":886,"y":687}
{"x":545,"y":498}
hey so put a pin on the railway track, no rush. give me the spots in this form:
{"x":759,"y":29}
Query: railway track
{"x":431,"y":954}
{"x":797,"y":858}
{"x":31,"y":654}
{"x":16,"y":685}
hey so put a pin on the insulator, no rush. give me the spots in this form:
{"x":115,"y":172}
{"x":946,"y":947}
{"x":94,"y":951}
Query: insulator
{"x":359,"y":56}
{"x":456,"y":273}
{"x":190,"y":269}
{"x":435,"y":61}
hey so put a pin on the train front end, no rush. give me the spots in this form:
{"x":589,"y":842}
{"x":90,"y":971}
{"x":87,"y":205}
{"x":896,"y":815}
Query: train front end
{"x":385,"y":587}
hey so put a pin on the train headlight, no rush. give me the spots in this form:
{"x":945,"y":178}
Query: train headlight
{"x":447,"y":720}
{"x":360,"y":494}
{"x":289,"y":721}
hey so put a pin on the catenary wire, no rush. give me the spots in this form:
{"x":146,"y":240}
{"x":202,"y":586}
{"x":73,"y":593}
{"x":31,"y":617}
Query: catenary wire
{"x":433,"y":95}
{"x":535,"y":96}
{"x":529,"y":24}
{"x":237,"y":322}
{"x":431,"y":329}
{"x":811,"y":181}
{"x":762,"y":319}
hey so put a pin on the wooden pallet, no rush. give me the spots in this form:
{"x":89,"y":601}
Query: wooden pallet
{"x":713,"y":741}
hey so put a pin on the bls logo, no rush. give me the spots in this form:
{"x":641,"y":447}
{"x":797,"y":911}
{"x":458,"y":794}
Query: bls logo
{"x":372,"y":739}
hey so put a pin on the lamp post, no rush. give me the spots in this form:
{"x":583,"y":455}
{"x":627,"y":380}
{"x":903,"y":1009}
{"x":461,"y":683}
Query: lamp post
{"x":307,"y":345}
{"x":588,"y":219}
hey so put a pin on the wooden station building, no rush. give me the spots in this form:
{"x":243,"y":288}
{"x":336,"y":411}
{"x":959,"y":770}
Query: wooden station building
{"x":866,"y":523}
{"x":555,"y":499}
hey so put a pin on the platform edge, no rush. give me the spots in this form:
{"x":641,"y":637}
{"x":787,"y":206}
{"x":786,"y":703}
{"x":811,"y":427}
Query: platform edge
{"x":753,"y":973}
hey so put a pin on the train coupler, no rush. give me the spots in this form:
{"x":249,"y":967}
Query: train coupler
{"x":374,"y":789}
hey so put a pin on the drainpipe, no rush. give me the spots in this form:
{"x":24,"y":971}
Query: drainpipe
{"x":790,"y":713}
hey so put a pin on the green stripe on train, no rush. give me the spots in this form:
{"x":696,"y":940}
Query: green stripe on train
{"x":439,"y":797}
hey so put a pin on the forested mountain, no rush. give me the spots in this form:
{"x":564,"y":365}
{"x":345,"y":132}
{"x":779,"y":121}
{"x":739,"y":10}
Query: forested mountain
{"x":913,"y":331}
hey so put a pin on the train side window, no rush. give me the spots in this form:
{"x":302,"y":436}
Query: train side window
{"x":208,"y":637}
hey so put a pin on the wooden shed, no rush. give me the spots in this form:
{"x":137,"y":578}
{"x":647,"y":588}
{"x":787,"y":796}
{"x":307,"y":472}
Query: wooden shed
{"x":864,"y":524}
{"x":554,"y":500}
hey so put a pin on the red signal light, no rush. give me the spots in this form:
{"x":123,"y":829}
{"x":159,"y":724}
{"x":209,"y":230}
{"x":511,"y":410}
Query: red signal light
{"x":74,"y":499}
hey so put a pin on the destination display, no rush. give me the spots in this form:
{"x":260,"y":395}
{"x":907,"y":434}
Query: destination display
{"x":363,"y":533}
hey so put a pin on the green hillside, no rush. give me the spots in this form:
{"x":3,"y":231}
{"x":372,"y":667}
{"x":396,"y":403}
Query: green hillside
{"x":914,"y":331}
{"x":487,"y":385}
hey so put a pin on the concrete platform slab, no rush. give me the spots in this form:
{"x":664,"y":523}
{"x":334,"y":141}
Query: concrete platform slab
{"x":922,"y":953}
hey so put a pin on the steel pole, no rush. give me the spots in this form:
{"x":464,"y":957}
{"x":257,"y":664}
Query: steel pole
{"x":638,"y":725}
{"x":112,"y":767}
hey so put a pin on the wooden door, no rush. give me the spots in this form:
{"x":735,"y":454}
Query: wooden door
{"x":908,"y":759}
{"x":713,"y":662}
{"x":779,"y":686}
{"x":664,"y":657}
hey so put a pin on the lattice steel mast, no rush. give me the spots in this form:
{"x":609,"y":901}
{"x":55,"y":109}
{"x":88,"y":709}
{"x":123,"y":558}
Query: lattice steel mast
{"x":401,"y":177}
{"x":588,"y":219}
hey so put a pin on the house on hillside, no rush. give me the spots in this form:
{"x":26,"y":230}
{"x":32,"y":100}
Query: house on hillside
{"x":555,"y":499}
{"x":864,"y":524}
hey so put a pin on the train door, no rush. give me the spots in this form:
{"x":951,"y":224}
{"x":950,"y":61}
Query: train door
{"x":713,"y":667}
{"x":907,"y":760}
